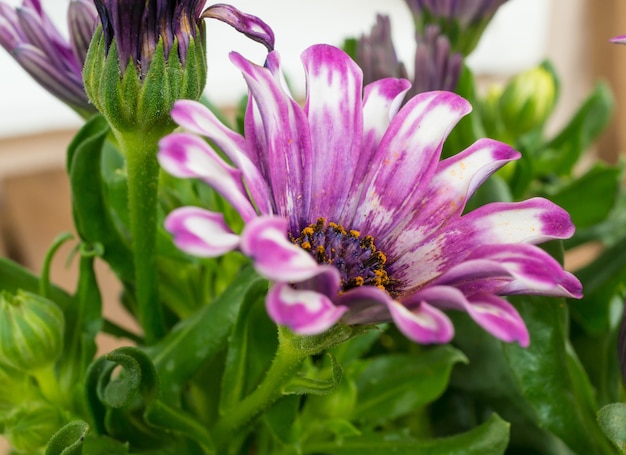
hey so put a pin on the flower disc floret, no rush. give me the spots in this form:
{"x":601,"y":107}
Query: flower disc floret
{"x":356,"y":258}
{"x":326,"y":188}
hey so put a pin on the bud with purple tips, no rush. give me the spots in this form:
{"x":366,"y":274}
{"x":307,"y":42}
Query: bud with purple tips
{"x":463,"y":21}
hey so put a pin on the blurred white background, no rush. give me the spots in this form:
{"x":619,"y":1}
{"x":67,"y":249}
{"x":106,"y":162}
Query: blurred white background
{"x":516,"y":39}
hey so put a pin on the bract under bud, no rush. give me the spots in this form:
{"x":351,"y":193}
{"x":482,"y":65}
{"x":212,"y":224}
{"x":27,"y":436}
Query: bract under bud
{"x":31,"y":331}
{"x":528,"y":100}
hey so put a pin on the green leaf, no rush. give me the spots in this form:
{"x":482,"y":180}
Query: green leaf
{"x":356,"y":347}
{"x":561,"y":153}
{"x":282,"y":418}
{"x":612,"y":420}
{"x":301,"y":385}
{"x":84,"y":316}
{"x":600,"y":186}
{"x":195,"y":340}
{"x":601,"y":280}
{"x":91,"y":215}
{"x":235,"y":379}
{"x":392,"y":385}
{"x":551,"y":379}
{"x":69,"y":439}
{"x":490,"y":438}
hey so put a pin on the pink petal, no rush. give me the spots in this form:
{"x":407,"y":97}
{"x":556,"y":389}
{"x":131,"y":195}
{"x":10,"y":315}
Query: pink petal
{"x":288,"y":145}
{"x":303,"y":311}
{"x":494,"y":314}
{"x":334,"y":111}
{"x":406,"y":159}
{"x":423,"y":324}
{"x":188,"y":156}
{"x":264,"y":239}
{"x":197,"y":118}
{"x":201,"y":233}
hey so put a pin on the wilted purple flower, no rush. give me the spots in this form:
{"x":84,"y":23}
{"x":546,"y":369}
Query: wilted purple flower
{"x":138,"y":27}
{"x":463,"y":21}
{"x":33,"y":40}
{"x":350,"y":213}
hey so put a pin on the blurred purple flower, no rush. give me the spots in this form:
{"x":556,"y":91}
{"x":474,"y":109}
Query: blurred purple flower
{"x":29,"y":35}
{"x":350,"y":212}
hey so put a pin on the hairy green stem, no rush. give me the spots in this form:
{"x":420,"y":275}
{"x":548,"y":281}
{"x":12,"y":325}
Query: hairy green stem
{"x":291,"y":353}
{"x":140,"y":150}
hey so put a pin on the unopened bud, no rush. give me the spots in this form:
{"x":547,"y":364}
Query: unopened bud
{"x":31,"y":331}
{"x":528,"y":100}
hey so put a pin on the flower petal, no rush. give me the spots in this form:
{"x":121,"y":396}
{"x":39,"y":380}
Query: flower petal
{"x":423,"y":324}
{"x":197,"y":118}
{"x":264,"y":239}
{"x":381,"y":101}
{"x":452,"y":185}
{"x":533,"y":271}
{"x":334,"y":110}
{"x":185,"y":155}
{"x":532,"y":221}
{"x":201,"y":233}
{"x":288,"y":141}
{"x":406,"y":160}
{"x":367,"y":305}
{"x":493,"y":313}
{"x":303,"y":311}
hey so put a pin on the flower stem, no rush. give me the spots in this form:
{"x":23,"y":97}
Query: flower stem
{"x":285,"y":365}
{"x":49,"y":385}
{"x":140,"y":150}
{"x":292,"y":351}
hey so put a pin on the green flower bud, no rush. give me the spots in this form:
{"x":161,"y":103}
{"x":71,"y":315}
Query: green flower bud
{"x":138,"y":99}
{"x":31,"y":426}
{"x":31,"y":331}
{"x":528,"y":100}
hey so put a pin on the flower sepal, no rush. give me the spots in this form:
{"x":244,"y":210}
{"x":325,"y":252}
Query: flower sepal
{"x":132,"y":102}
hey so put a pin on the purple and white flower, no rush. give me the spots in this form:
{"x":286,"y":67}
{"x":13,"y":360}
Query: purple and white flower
{"x":29,"y":35}
{"x":349,"y":211}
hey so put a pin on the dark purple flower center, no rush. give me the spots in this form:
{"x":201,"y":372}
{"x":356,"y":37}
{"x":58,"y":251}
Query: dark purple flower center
{"x":356,"y":257}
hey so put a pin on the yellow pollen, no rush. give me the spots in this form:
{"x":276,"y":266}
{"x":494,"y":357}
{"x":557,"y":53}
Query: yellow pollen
{"x":355,"y":234}
{"x":306,"y":245}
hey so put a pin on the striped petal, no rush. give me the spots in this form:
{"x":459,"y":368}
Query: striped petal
{"x":381,"y":101}
{"x":288,"y":140}
{"x":196,"y":118}
{"x":334,"y":111}
{"x":188,"y":156}
{"x":423,"y":324}
{"x":201,"y":233}
{"x":264,"y":239}
{"x":303,"y":311}
{"x":406,"y":160}
{"x":532,"y":221}
{"x":492,"y":313}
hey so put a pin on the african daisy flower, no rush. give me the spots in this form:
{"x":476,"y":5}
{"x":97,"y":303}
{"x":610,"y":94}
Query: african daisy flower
{"x":350,"y":213}
{"x":55,"y":62}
